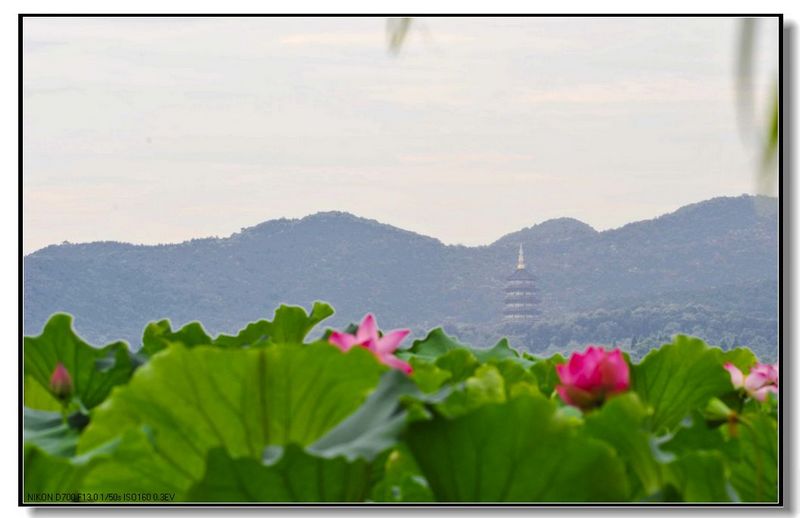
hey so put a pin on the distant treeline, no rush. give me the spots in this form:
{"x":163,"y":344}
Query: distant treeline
{"x":635,"y":330}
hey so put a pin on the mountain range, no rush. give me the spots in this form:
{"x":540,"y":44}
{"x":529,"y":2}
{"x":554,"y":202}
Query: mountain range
{"x":709,"y":269}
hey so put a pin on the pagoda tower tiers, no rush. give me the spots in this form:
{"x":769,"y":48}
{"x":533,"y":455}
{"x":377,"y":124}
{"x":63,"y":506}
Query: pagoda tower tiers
{"x":521,"y":302}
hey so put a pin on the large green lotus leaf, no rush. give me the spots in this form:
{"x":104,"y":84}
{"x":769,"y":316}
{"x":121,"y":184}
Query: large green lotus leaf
{"x":769,"y":406}
{"x":290,"y":325}
{"x":293,"y":476}
{"x":402,"y":480}
{"x":125,"y":464}
{"x":742,"y":357}
{"x":695,"y":434}
{"x":754,"y":474}
{"x":460,"y":363}
{"x":158,"y":335}
{"x":46,"y":475}
{"x":428,"y":377}
{"x":132,"y":462}
{"x":94,"y":371}
{"x":375,"y":426}
{"x":699,"y":477}
{"x":435,"y":344}
{"x":38,"y":397}
{"x":545,"y":371}
{"x":485,"y":387}
{"x":501,"y":351}
{"x":336,"y":468}
{"x":620,"y":422}
{"x":517,"y":451}
{"x":678,"y":378}
{"x":491,"y":382}
{"x":193,"y":400}
{"x":51,"y":432}
{"x":515,"y":375}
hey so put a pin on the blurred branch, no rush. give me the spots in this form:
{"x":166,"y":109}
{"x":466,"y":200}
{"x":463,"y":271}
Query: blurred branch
{"x":770,"y":156}
{"x":744,"y":73}
{"x":396,"y":31}
{"x":745,"y":101}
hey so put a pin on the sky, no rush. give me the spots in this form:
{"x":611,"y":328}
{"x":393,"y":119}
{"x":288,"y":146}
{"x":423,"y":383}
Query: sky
{"x":157,"y":130}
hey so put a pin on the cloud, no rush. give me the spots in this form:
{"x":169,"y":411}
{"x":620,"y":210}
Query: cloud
{"x":642,"y":90}
{"x":335,"y":39}
{"x":420,"y":34}
{"x":471,"y":157}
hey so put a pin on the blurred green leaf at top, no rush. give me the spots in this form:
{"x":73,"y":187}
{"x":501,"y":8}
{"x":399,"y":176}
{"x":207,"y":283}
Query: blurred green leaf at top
{"x":766,"y":139}
{"x":396,"y":32}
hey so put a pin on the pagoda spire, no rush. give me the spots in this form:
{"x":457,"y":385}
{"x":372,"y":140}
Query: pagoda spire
{"x":521,"y":258}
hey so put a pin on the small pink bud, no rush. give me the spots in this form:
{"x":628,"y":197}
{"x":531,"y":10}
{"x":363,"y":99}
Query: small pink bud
{"x":588,"y":378}
{"x":61,"y":382}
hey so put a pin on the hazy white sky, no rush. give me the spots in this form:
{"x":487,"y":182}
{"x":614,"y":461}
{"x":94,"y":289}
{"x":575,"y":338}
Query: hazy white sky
{"x":152,"y":130}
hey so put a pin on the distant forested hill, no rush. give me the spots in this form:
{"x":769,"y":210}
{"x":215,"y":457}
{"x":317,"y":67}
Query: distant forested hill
{"x":708,"y":269}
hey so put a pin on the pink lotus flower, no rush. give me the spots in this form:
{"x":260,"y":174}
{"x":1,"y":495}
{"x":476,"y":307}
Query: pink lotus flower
{"x":762,"y":380}
{"x":382,"y":347}
{"x":588,"y":378}
{"x":61,"y":382}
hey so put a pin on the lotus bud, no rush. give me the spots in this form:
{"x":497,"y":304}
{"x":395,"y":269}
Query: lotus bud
{"x":590,"y":377}
{"x":61,"y":382}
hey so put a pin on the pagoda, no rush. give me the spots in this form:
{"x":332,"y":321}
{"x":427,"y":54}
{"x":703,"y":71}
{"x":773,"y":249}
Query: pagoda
{"x":521,"y":303}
